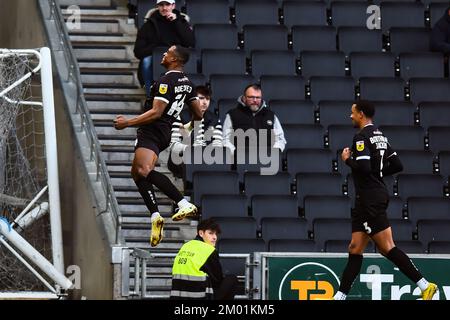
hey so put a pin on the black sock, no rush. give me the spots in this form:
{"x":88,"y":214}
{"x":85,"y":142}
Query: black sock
{"x":165,"y":185}
{"x":148,"y":194}
{"x":402,"y":261}
{"x":350,"y":273}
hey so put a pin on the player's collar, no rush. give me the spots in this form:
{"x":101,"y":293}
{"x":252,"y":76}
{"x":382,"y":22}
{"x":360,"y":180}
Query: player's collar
{"x":369,"y":124}
{"x":174,"y":71}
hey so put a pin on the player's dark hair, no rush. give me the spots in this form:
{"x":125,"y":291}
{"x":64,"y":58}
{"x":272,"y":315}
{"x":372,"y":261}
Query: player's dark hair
{"x":254,"y":86}
{"x":203,"y":90}
{"x":366,"y":107}
{"x":182,"y":54}
{"x":208,"y":224}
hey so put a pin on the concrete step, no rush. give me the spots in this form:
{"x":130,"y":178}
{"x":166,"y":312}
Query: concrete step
{"x":100,"y":12}
{"x":110,"y":38}
{"x":103,"y":129}
{"x":124,"y":65}
{"x":105,"y":115}
{"x":166,"y":245}
{"x":104,"y":3}
{"x":100,"y":52}
{"x":161,"y":282}
{"x":94,"y":26}
{"x":115,"y":107}
{"x":133,"y":91}
{"x":107,"y":78}
{"x":145,"y":233}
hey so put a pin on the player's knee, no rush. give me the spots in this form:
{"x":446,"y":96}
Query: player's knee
{"x":139,"y":172}
{"x":354,"y":248}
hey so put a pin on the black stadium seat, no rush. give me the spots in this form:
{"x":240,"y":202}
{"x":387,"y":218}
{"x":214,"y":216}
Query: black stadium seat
{"x":335,"y":112}
{"x":382,"y":89}
{"x":416,"y":161}
{"x":429,"y":89}
{"x":332,"y":88}
{"x":394,"y":113}
{"x":265,"y":37}
{"x":308,"y":13}
{"x":326,"y":207}
{"x":428,"y":209}
{"x":231,"y":62}
{"x":292,"y":245}
{"x":422,"y":64}
{"x":206,"y":11}
{"x":256,"y":12}
{"x":229,"y":86}
{"x":419,"y":185}
{"x":409,"y":40}
{"x":206,"y":36}
{"x":304,"y":136}
{"x":293,"y":111}
{"x":284,"y":228}
{"x":309,"y":160}
{"x":318,"y":184}
{"x":331,"y":229}
{"x":349,"y":14}
{"x":220,"y":205}
{"x":206,"y":183}
{"x":256,"y":184}
{"x":274,"y":206}
{"x":399,"y":14}
{"x":313,"y":38}
{"x":434,"y":114}
{"x":372,"y":64}
{"x":404,"y":137}
{"x":263,"y":63}
{"x":359,"y":39}
{"x":439,"y":138}
{"x":283,"y":87}
{"x":322,"y":63}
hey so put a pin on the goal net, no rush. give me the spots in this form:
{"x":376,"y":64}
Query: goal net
{"x":30,"y":226}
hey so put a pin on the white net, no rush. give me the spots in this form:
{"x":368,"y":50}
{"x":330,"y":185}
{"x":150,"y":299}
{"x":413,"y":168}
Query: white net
{"x":22,"y":164}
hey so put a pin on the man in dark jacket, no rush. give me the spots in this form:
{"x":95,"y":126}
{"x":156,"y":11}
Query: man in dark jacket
{"x":252,"y":113}
{"x":165,"y":26}
{"x":440,"y":35}
{"x":197,"y":273}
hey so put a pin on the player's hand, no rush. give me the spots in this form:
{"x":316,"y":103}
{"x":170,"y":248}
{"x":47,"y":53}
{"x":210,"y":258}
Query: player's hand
{"x":120,"y":122}
{"x":346,"y":153}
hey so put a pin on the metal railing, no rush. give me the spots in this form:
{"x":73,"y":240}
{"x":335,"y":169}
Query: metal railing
{"x":64,"y":48}
{"x":142,"y":258}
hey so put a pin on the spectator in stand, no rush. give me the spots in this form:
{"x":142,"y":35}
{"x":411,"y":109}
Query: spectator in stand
{"x":165,"y":26}
{"x":440,"y":35}
{"x":208,"y":130}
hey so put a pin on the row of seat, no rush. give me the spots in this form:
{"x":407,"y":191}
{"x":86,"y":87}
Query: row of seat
{"x":307,"y":38}
{"x":326,"y":230}
{"x":326,"y":113}
{"x":227,"y":182}
{"x":320,"y":61}
{"x":318,"y":205}
{"x":393,"y":14}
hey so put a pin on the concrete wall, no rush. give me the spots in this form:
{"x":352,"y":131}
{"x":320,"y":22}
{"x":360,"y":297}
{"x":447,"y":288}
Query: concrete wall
{"x":84,"y":245}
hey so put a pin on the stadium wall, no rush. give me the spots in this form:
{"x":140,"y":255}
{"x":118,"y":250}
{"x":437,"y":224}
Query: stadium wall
{"x":84,"y":242}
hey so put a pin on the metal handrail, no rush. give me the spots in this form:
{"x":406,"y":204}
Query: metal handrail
{"x":73,"y":74}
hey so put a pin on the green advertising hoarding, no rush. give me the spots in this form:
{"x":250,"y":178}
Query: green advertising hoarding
{"x":317,"y":277}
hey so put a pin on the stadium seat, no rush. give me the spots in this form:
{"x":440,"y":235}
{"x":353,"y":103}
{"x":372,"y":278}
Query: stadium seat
{"x":342,"y":246}
{"x":439,"y":138}
{"x":434,"y":114}
{"x":382,"y":89}
{"x":400,"y":14}
{"x":402,"y":230}
{"x":326,"y":207}
{"x":389,"y":113}
{"x":229,"y":86}
{"x":265,"y":37}
{"x":419,"y":185}
{"x":308,"y":13}
{"x":234,"y":265}
{"x":206,"y":183}
{"x":411,"y":246}
{"x":437,"y":10}
{"x":206,"y":36}
{"x":444,"y":164}
{"x":372,"y":64}
{"x":335,"y":113}
{"x":416,"y":161}
{"x":322,"y":63}
{"x":231,"y":62}
{"x":429,"y":89}
{"x":220,"y":205}
{"x":284,"y":228}
{"x":237,"y":227}
{"x":318,"y":184}
{"x":428,"y":209}
{"x":439,"y":247}
{"x":263,"y":63}
{"x":293,"y":112}
{"x":194,"y":161}
{"x":348,"y":14}
{"x":292,"y":245}
{"x":224,"y":106}
{"x":404,"y":137}
{"x":433,"y":230}
{"x":332,"y":88}
{"x":313,"y":38}
{"x":256,"y":12}
{"x":409,"y":39}
{"x":331,"y":229}
{"x":197,"y":79}
{"x":359,"y":39}
{"x":283,"y":87}
{"x":340,"y":137}
{"x":303,"y":136}
{"x":422,"y":64}
{"x":309,"y":160}
{"x":206,"y":11}
{"x":249,"y":160}
{"x":275,"y":206}
{"x":396,"y":204}
{"x":256,"y":184}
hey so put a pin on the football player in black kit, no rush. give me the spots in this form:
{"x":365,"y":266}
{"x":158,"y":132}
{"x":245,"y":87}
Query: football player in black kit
{"x":371,"y":158}
{"x":165,"y":103}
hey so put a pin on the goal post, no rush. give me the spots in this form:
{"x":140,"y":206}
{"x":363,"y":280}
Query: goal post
{"x":30,"y":214}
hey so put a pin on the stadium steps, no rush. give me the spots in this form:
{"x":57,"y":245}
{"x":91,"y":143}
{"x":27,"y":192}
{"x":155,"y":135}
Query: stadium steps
{"x":103,"y":44}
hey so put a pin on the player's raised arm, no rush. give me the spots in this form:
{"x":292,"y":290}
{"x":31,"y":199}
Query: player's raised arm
{"x":147,"y":117}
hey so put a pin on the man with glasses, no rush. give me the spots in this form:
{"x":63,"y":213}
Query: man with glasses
{"x":253,"y":113}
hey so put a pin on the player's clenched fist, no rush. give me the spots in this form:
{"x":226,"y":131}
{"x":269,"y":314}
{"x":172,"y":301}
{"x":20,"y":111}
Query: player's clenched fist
{"x":120,"y":122}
